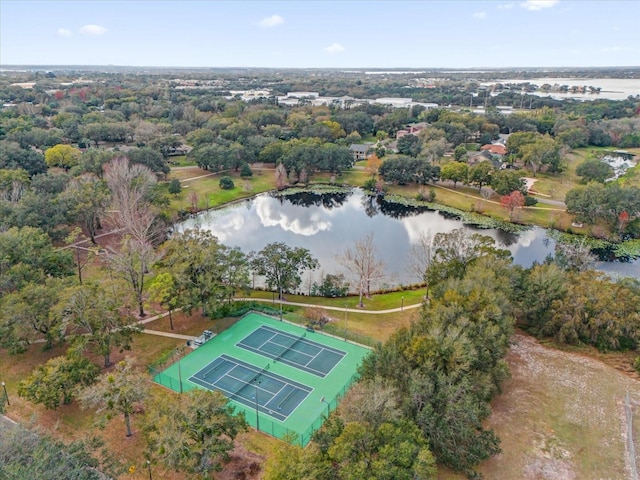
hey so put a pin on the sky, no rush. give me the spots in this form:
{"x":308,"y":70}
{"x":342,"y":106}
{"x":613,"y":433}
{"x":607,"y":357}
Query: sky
{"x":322,"y":34}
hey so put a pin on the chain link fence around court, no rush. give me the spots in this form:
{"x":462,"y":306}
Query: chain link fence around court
{"x":336,"y":329}
{"x":263,"y":423}
{"x":277,"y":430}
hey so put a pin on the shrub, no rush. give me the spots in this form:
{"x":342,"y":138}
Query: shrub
{"x":246,"y":171}
{"x":530,"y":201}
{"x":226,"y":183}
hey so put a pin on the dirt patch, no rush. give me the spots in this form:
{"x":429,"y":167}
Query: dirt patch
{"x":560,"y":417}
{"x":244,"y":465}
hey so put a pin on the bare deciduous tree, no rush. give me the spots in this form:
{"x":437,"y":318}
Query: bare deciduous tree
{"x":281,"y":176}
{"x":420,"y":257}
{"x":362,"y":266}
{"x":131,"y":263}
{"x":131,"y":210}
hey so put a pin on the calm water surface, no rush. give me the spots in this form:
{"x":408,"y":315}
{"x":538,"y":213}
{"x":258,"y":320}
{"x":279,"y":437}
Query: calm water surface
{"x":328,"y":224}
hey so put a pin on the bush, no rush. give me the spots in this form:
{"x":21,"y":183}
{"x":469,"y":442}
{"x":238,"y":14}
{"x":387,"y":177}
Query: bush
{"x":530,"y":201}
{"x":246,"y":171}
{"x":226,"y":183}
{"x":370,"y":184}
{"x":429,"y":196}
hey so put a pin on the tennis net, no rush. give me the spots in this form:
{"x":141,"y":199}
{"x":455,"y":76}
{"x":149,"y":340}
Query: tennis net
{"x":249,"y":382}
{"x":289,"y":347}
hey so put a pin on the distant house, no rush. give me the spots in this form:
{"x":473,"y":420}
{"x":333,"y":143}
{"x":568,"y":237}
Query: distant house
{"x":411,"y":129}
{"x":495,"y":149}
{"x":484,"y":156}
{"x":360,"y":150}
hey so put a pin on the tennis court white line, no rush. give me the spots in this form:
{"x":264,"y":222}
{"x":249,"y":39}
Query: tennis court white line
{"x":294,"y":349}
{"x":267,"y":341}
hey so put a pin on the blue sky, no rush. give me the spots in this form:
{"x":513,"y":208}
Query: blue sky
{"x":321,"y":34}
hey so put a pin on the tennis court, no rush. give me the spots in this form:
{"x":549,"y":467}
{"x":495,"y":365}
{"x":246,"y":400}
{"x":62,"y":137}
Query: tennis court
{"x":269,"y":393}
{"x":299,"y":352}
{"x":284,"y":378}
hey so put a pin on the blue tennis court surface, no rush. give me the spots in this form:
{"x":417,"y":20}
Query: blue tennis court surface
{"x":258,"y":388}
{"x":297,"y":351}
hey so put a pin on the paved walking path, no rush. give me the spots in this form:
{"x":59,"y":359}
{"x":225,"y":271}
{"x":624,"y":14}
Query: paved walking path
{"x":277,"y":302}
{"x":339,"y":309}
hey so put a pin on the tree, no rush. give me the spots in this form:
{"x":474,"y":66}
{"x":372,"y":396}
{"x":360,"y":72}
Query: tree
{"x":574,"y":256}
{"x":175,"y":187}
{"x":226,"y":183}
{"x":544,"y":151}
{"x":399,"y":169}
{"x":14,"y":157}
{"x":131,"y":211}
{"x":245,"y":171}
{"x":26,"y":316}
{"x":282,"y":266}
{"x":194,"y":432}
{"x":511,"y":202}
{"x":57,"y":380}
{"x":409,"y":145}
{"x":596,"y":311}
{"x":281,"y":176}
{"x":481,"y":174}
{"x":149,"y":158}
{"x":434,"y":149}
{"x":459,"y":153}
{"x":27,"y":454}
{"x":594,"y":170}
{"x":373,"y":164}
{"x":205,"y":272}
{"x":507,"y":181}
{"x":13,"y":184}
{"x":164,"y":290}
{"x":93,"y":317}
{"x":454,"y":252}
{"x":118,"y":391}
{"x":131,"y":262}
{"x":27,"y":255}
{"x":87,"y":197}
{"x":362,"y":266}
{"x":454,"y":171}
{"x":420,"y":256}
{"x":64,"y":156}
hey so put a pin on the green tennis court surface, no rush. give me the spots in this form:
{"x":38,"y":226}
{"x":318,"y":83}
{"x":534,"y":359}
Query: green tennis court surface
{"x":269,"y":393}
{"x":283,"y":377}
{"x":299,"y":352}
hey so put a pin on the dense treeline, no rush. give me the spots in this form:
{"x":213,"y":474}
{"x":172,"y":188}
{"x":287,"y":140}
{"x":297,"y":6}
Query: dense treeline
{"x":437,"y":377}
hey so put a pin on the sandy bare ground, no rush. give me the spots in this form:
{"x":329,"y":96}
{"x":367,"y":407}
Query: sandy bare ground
{"x":561,"y":417}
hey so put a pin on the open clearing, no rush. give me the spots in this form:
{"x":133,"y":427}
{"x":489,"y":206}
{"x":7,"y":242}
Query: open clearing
{"x":561,"y":417}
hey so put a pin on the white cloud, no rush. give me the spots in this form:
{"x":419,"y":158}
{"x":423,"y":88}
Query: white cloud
{"x":505,"y":6}
{"x":535,"y":5}
{"x":334,"y":48}
{"x":272,"y":21}
{"x":480,"y":15}
{"x":93,"y":30}
{"x":617,"y":48}
{"x":63,"y":32}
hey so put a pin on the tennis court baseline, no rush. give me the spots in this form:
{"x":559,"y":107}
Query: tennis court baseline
{"x":297,"y":351}
{"x":270,"y":393}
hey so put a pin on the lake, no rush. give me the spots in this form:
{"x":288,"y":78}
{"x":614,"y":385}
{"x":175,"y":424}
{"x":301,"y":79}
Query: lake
{"x":328,"y":224}
{"x":612,"y":88}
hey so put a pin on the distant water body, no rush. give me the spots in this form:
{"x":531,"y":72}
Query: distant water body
{"x":327,"y":224}
{"x":610,"y":88}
